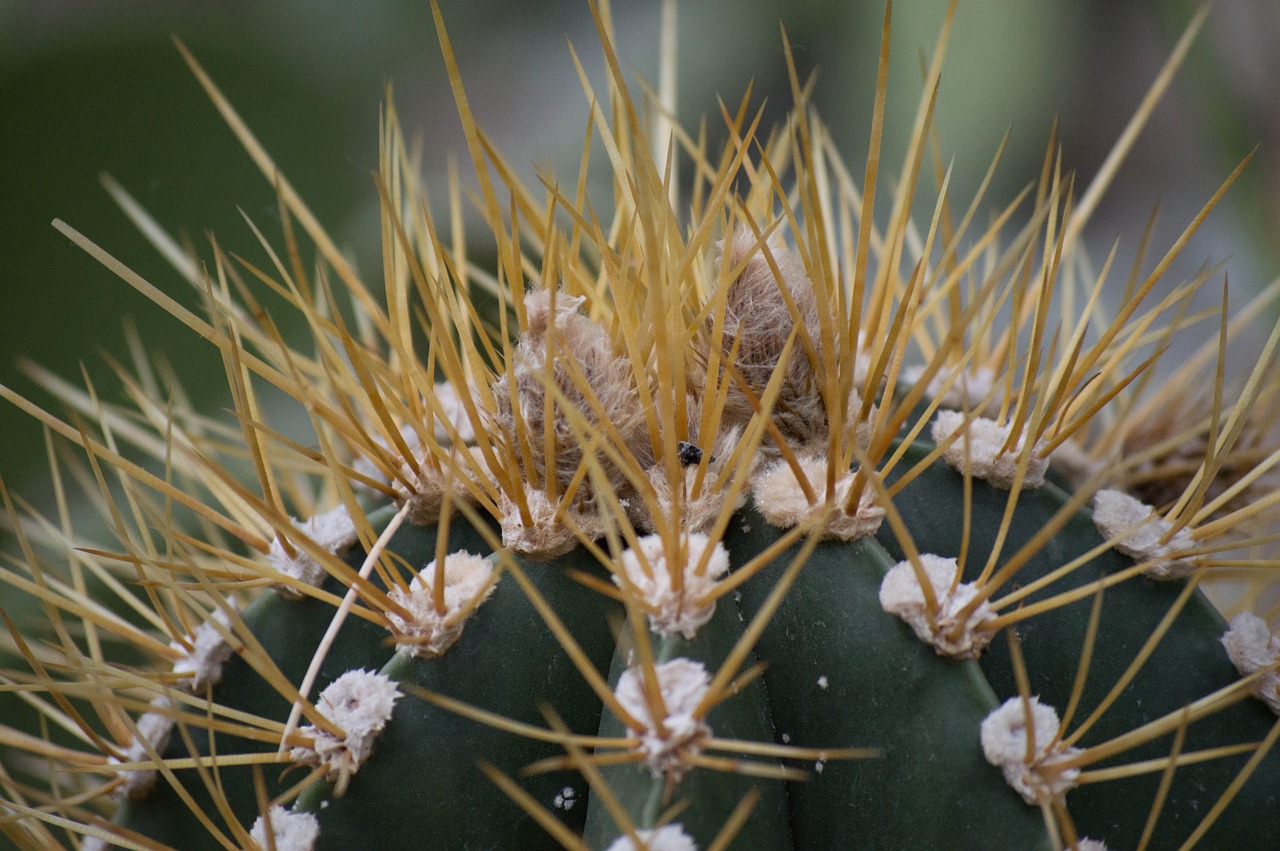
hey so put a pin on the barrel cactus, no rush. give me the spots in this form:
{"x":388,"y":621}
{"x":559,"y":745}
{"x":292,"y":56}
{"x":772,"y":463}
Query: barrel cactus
{"x":711,"y":516}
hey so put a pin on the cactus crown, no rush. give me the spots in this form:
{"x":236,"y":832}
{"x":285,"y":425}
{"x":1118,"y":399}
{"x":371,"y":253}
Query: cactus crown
{"x":741,"y":520}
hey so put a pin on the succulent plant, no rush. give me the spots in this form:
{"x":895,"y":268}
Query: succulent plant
{"x":729,"y":517}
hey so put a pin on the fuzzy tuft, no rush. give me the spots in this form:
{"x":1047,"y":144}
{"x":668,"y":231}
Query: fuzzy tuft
{"x":201,"y":665}
{"x":290,"y":830}
{"x":902,"y":595}
{"x":672,"y":611}
{"x":424,"y":489}
{"x":548,"y":536}
{"x":969,"y":390}
{"x":452,"y":411}
{"x":667,"y":750}
{"x":360,"y":703}
{"x":779,"y":497}
{"x":855,"y":428}
{"x":333,"y":531}
{"x":985,"y":459}
{"x":155,"y":728}
{"x":669,"y":837}
{"x":1073,"y":462}
{"x":365,"y":466}
{"x":455,"y":413}
{"x":1135,"y":530}
{"x":698,"y":507}
{"x":1040,"y":779}
{"x":541,"y":355}
{"x":759,"y":321}
{"x":428,"y":633}
{"x":1252,"y":647}
{"x":863,"y":360}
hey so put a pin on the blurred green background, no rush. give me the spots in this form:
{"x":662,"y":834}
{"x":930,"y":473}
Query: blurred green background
{"x":96,"y":86}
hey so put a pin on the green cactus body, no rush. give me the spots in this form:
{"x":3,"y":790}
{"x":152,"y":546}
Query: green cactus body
{"x":840,"y":672}
{"x":710,"y":795}
{"x":724,"y":528}
{"x":507,"y":662}
{"x":855,"y":674}
{"x":1188,"y":663}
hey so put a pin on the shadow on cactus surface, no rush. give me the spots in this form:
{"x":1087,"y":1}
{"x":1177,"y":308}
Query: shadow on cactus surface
{"x":716,"y":514}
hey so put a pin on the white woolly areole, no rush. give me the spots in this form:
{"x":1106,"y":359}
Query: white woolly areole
{"x":333,"y":531}
{"x":291,"y":831}
{"x":1135,"y":529}
{"x":155,"y":728}
{"x":902,"y":595}
{"x":669,"y":837}
{"x":1004,"y":743}
{"x":968,"y":391}
{"x":1088,"y":845}
{"x":674,"y":611}
{"x":986,"y":461}
{"x":428,"y":633}
{"x":779,"y":497}
{"x":360,"y":703}
{"x":683,"y":683}
{"x":201,"y":666}
{"x":1252,"y":647}
{"x":547,"y":536}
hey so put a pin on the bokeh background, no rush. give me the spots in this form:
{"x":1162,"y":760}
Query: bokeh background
{"x":92,"y":86}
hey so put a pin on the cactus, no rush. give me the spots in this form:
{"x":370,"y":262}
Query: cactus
{"x":740,"y":520}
